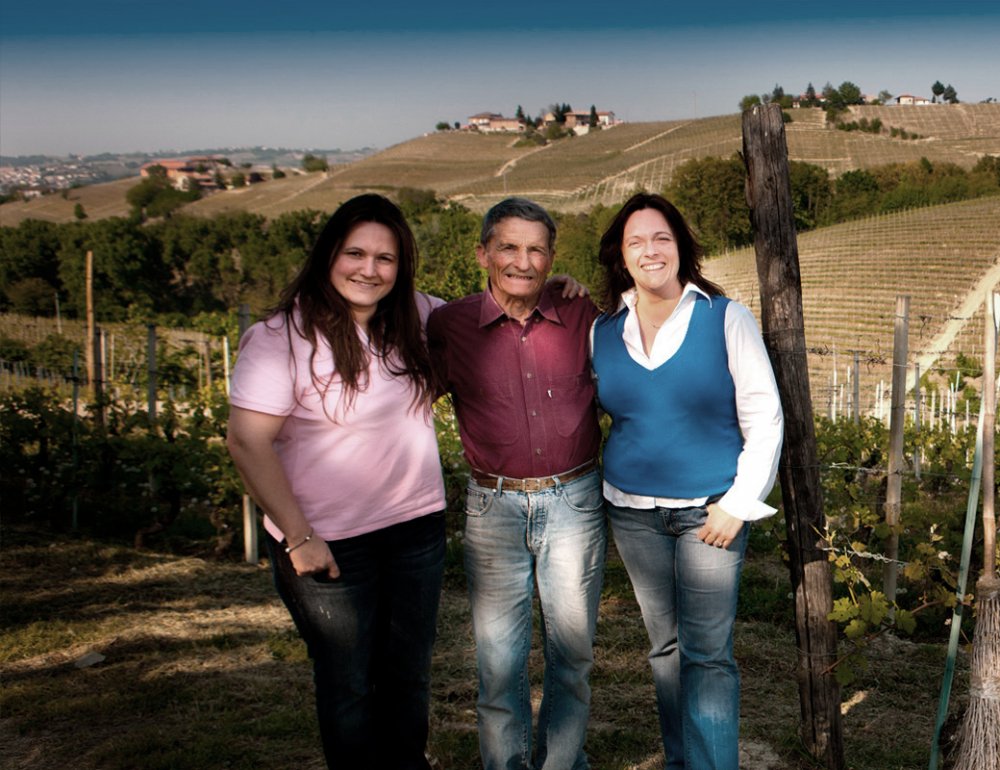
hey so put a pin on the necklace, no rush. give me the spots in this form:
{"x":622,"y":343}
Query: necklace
{"x":649,"y":321}
{"x":646,"y":320}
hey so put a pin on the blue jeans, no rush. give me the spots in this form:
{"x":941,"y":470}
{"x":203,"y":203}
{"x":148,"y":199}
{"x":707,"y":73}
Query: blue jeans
{"x":687,"y":592}
{"x":369,"y":633}
{"x":557,"y":539}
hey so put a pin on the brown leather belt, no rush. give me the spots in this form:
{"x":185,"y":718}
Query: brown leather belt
{"x":531,"y":485}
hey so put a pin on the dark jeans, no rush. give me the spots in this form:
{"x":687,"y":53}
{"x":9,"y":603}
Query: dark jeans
{"x":369,"y":634}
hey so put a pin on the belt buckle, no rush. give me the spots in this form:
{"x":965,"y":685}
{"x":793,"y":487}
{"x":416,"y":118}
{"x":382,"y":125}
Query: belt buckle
{"x":532,"y":485}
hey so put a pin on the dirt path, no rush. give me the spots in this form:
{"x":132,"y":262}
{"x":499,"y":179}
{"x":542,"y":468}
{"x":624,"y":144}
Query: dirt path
{"x":959,"y":317}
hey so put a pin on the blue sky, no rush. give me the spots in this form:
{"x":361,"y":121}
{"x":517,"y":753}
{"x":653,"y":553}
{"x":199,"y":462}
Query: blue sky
{"x":125,"y":75}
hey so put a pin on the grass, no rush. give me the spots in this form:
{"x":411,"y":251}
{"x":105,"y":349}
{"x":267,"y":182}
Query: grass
{"x":202,"y":669}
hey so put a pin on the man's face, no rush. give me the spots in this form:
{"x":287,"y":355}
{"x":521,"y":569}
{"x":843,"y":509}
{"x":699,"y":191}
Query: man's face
{"x":518,"y":260}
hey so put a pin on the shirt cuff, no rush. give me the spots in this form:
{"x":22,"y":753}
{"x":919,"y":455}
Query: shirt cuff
{"x":746,"y":510}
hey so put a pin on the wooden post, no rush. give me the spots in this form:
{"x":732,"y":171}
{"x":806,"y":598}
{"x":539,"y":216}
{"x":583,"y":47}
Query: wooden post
{"x":89,"y":287}
{"x":769,"y":197}
{"x":250,"y":548}
{"x":989,"y":436}
{"x":897,"y":418}
{"x":151,"y":371}
{"x":857,"y":387}
{"x":207,"y":346}
{"x":917,"y":450}
{"x":98,"y":375}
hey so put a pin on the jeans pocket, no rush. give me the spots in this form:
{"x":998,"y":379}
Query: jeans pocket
{"x":477,"y":501}
{"x":584,"y":497}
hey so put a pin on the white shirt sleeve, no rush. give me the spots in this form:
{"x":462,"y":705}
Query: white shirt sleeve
{"x":758,"y":408}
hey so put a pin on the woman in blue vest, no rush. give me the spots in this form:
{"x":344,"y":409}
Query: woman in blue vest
{"x":692,"y":453}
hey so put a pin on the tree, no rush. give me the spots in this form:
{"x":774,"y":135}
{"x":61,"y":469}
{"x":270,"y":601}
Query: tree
{"x":884,"y":97}
{"x":950,"y":94}
{"x":748,"y":101}
{"x":238,"y":179}
{"x":849,"y":93}
{"x":443,"y":125}
{"x":519,"y":114}
{"x":560,"y":111}
{"x":711,"y":193}
{"x":593,"y":123}
{"x":811,"y":100}
{"x":311,"y":163}
{"x":78,"y":211}
{"x":276,"y":173}
{"x":937,"y":89}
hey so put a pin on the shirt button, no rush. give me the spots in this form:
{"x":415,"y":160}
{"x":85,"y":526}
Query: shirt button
{"x":534,"y":413}
{"x":524,"y":339}
{"x":538,"y":451}
{"x":529,"y":375}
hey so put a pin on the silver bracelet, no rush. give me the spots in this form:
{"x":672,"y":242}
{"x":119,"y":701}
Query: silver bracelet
{"x":290,"y":548}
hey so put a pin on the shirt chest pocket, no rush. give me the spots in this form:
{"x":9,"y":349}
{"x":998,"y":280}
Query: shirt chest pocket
{"x":569,"y":400}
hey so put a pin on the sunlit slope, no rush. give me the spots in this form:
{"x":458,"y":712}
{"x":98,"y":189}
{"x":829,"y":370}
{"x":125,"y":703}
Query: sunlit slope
{"x":99,"y":201}
{"x":851,"y":274}
{"x":576,"y":173}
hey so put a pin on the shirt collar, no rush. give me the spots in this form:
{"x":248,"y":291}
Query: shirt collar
{"x":490,"y":310}
{"x":687,"y":295}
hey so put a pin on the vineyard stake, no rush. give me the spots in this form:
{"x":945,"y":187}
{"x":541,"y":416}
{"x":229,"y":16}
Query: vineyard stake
{"x":770,"y":200}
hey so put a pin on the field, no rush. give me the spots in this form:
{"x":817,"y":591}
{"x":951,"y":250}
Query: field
{"x":948,"y":256}
{"x":120,"y":659}
{"x":574,"y":174}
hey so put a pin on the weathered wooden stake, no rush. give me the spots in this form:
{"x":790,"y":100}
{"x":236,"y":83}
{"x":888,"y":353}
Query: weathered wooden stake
{"x":88,"y":278}
{"x":250,"y":546}
{"x":897,"y":418}
{"x":770,"y":199}
{"x":151,"y":371}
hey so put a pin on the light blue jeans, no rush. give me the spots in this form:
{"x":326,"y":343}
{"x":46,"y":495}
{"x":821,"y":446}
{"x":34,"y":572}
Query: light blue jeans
{"x":557,"y":539}
{"x":687,"y":592}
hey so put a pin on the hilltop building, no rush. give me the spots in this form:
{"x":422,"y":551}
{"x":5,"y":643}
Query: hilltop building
{"x":494,"y":122}
{"x":910,"y":99}
{"x":579,"y":122}
{"x":183,"y":171}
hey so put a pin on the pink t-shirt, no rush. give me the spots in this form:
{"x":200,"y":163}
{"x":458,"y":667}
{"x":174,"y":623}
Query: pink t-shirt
{"x":371,"y":466}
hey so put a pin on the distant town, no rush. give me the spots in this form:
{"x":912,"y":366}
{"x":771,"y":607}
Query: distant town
{"x":35,"y":175}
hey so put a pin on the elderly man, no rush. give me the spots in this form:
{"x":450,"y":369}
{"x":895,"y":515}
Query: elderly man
{"x":515,"y":360}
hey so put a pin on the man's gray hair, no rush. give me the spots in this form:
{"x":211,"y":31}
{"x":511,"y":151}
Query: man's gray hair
{"x":517,"y":208}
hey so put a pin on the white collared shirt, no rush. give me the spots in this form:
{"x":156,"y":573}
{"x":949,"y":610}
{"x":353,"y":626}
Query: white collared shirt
{"x":758,"y":406}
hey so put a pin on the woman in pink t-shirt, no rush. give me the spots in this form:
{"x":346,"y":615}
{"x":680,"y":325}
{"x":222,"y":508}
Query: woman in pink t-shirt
{"x":332,"y":432}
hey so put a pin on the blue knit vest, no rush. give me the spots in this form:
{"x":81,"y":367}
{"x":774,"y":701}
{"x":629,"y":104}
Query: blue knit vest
{"x":675,"y":431}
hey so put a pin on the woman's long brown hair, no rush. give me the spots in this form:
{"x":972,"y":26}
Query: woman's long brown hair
{"x":617,"y":279}
{"x":314,"y":309}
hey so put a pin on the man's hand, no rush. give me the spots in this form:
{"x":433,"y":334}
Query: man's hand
{"x":571,"y":288}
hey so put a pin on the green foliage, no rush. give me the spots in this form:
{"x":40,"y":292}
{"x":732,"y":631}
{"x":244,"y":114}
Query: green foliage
{"x":748,"y":101}
{"x":277,"y":173}
{"x":311,"y":163}
{"x":155,"y":197}
{"x":854,"y":459}
{"x":125,"y":477}
{"x":711,"y":194}
{"x":55,"y":354}
{"x":12,"y":350}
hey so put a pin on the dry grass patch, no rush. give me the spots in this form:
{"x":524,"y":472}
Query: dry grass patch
{"x":200,"y":668}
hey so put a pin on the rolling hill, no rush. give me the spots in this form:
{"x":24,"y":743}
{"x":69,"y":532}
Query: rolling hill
{"x":945,"y":258}
{"x":573,"y":174}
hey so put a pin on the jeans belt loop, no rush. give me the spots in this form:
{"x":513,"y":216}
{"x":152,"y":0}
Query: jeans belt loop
{"x":499,"y":489}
